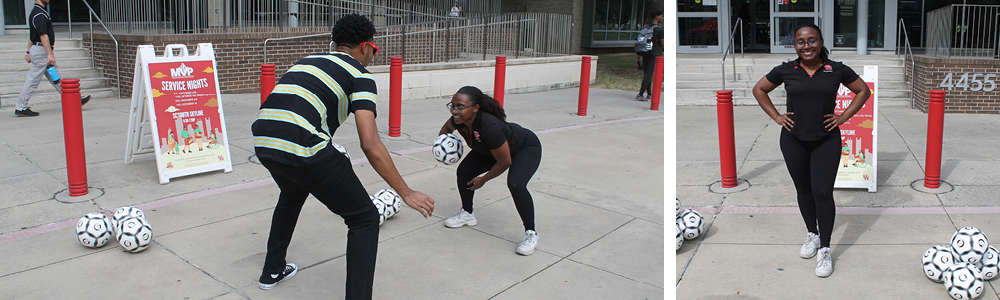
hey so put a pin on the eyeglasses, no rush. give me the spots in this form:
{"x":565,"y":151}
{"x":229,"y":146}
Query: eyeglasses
{"x":373,"y":47}
{"x":451,"y":107}
{"x":802,"y":43}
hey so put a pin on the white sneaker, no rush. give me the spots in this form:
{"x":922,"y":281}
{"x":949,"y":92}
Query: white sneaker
{"x":824,"y":263}
{"x":810,"y":246}
{"x":527,"y":246}
{"x":461,"y":218}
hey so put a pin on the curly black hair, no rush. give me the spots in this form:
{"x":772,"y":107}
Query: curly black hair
{"x":352,"y":30}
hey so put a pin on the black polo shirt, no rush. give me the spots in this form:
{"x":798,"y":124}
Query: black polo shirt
{"x":811,"y":97}
{"x":489,"y":133}
{"x":40,"y":23}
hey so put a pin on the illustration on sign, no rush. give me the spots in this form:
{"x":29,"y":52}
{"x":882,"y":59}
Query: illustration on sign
{"x":856,"y":139}
{"x":187,"y":114}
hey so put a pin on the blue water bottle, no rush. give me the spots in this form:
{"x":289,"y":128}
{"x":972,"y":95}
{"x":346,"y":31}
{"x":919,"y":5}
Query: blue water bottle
{"x":53,"y":74}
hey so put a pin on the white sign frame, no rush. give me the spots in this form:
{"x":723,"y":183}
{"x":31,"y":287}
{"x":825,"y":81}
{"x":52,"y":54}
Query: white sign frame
{"x":143,"y":114}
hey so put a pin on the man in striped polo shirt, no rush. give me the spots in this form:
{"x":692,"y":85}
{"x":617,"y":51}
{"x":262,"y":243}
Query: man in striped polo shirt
{"x":292,"y":140}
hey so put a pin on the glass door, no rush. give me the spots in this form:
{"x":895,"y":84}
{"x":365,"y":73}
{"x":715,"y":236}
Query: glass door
{"x":786,"y":15}
{"x":698,"y":29}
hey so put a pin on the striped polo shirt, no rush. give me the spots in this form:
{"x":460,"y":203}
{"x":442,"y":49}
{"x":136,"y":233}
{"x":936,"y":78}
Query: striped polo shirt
{"x":308,"y":104}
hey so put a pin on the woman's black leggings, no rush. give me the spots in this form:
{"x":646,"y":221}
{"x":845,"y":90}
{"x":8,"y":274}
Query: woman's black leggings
{"x":813,"y":167}
{"x":523,"y":165}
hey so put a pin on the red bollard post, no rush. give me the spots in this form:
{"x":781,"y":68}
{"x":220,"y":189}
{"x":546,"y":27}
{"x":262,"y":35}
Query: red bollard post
{"x":727,"y":138}
{"x":266,"y":81}
{"x":76,"y":158}
{"x":657,"y":84}
{"x":395,"y":97}
{"x":935,"y":133}
{"x":500,"y":78}
{"x":584,"y":87}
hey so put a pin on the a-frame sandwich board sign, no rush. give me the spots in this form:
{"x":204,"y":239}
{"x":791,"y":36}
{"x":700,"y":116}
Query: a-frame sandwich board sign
{"x":177,"y":98}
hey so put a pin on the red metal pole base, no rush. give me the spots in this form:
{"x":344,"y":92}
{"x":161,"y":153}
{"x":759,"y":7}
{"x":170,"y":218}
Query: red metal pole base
{"x":76,"y":158}
{"x":727,"y":138}
{"x":935,"y":134}
{"x":266,"y":81}
{"x":654,"y":104}
{"x":395,"y":97}
{"x":500,"y":77}
{"x":584,"y":87}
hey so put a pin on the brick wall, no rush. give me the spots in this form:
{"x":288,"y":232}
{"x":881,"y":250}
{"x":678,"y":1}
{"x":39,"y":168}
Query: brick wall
{"x":928,"y":73}
{"x":239,"y":55}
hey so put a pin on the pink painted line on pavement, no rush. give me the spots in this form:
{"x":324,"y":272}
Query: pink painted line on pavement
{"x":262,"y":182}
{"x":786,"y":210}
{"x":973,"y":210}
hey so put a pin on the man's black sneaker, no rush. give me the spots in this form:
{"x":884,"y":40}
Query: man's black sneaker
{"x":267,"y":281}
{"x":84,"y":100}
{"x":25,"y":113}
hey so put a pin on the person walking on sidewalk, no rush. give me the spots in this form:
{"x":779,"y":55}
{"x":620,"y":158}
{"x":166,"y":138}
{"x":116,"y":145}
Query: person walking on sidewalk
{"x":649,"y":58}
{"x":810,"y":137}
{"x":496,"y":146}
{"x":42,"y":39}
{"x":292,"y":140}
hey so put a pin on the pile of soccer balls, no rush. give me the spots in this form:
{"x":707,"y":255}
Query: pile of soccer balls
{"x":128,"y":225}
{"x":690,"y":224}
{"x":964,"y":264}
{"x":447,"y":148}
{"x":387,"y":202}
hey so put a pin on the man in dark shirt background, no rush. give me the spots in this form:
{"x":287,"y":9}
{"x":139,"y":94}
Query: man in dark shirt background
{"x":649,"y":59}
{"x":42,"y":39}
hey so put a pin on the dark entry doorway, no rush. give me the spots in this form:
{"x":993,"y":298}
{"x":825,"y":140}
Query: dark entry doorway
{"x":756,"y":22}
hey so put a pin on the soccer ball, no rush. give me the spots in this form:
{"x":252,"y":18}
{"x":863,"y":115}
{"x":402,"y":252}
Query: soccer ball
{"x":680,"y":235}
{"x":341,"y":149}
{"x":968,"y":244}
{"x":124,"y":212}
{"x":134,"y":234}
{"x":392,"y":202}
{"x":447,"y":148}
{"x":380,"y":206}
{"x":936,"y":260}
{"x":692,"y":222}
{"x":963,"y":281}
{"x":93,"y":230}
{"x":988,"y":266}
{"x":678,"y":206}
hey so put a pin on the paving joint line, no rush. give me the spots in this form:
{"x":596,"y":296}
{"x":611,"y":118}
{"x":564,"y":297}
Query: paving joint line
{"x":59,"y":261}
{"x":203,"y":271}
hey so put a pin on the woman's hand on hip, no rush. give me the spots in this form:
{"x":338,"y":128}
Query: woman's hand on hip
{"x":785,"y":121}
{"x":834,"y":120}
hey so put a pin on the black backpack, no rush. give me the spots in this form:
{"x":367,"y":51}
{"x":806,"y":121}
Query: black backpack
{"x":644,"y":43}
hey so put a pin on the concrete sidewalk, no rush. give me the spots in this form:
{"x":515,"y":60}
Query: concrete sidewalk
{"x":598,"y":199}
{"x":755,"y":230}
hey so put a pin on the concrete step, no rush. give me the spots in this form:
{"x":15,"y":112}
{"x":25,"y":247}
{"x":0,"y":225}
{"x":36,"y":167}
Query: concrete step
{"x":764,"y":69}
{"x":747,"y":84}
{"x":63,"y":73}
{"x":51,"y":96}
{"x":776,"y":60}
{"x":777,"y":93}
{"x":12,"y":89}
{"x":21,"y":42}
{"x":715,"y":76}
{"x":779,"y":101}
{"x":63,"y":63}
{"x":60,"y":53}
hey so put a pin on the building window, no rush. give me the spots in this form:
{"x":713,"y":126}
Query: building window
{"x":616,"y":23}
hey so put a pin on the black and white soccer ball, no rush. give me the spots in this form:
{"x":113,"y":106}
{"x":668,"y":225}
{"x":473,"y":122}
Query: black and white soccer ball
{"x":693,"y":223}
{"x":680,"y":235}
{"x":963,"y":281}
{"x":342,"y":150}
{"x":94,"y":230}
{"x":124,"y":212}
{"x":134,"y":234}
{"x":989,"y":265}
{"x":380,"y":206}
{"x":447,"y":148}
{"x":678,"y":212}
{"x":392,"y":202}
{"x":936,"y":260}
{"x":968,"y":244}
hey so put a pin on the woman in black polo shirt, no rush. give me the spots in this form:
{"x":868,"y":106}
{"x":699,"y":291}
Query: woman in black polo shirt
{"x":810,"y":140}
{"x":496,"y":146}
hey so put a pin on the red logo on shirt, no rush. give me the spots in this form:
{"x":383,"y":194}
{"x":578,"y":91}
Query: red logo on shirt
{"x":476,"y":133}
{"x":827,"y":69}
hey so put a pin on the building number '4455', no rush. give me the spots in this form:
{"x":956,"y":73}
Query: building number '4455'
{"x":969,"y":84}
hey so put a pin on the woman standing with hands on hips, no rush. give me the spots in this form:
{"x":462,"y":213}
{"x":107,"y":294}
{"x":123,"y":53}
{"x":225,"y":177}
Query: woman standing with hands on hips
{"x":810,"y":136}
{"x":496,"y":147}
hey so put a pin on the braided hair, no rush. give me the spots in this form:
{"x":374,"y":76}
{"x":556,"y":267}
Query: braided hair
{"x":824,"y":53}
{"x":352,"y":30}
{"x":486,"y":103}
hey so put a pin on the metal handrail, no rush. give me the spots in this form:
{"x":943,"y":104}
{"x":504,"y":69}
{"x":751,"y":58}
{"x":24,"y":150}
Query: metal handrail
{"x":732,"y":34}
{"x":906,"y":51}
{"x":118,"y":68}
